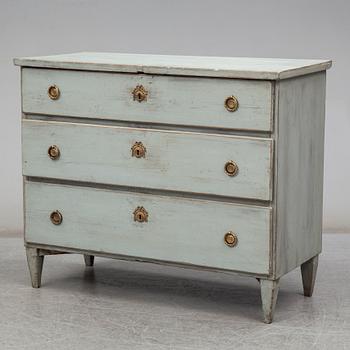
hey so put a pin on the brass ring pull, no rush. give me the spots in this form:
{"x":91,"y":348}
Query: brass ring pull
{"x":140,"y":214}
{"x":56,"y":217}
{"x":140,"y":93}
{"x":138,"y":150}
{"x":54,"y":152}
{"x":230,"y":239}
{"x":231,"y":103}
{"x":54,"y":92}
{"x":231,"y":168}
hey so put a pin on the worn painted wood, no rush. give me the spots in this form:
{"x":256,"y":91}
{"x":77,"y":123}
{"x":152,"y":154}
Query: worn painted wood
{"x":179,"y":161}
{"x":43,"y":248}
{"x":308,"y":273}
{"x":178,"y":229}
{"x":170,"y":100}
{"x":276,"y":210}
{"x":89,"y":260}
{"x":227,"y":67}
{"x":35,"y":265}
{"x":269,"y":293}
{"x":299,"y":171}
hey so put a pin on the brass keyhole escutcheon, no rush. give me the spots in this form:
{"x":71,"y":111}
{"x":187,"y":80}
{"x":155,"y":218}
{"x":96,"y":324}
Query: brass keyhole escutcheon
{"x":140,"y":214}
{"x":54,"y":92}
{"x":230,"y":239}
{"x":56,"y":217}
{"x":231,"y":104}
{"x":231,"y":168}
{"x":140,"y":93}
{"x":138,"y":150}
{"x":54,"y":152}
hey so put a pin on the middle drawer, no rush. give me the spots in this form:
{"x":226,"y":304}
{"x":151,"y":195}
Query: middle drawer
{"x":222,"y":165}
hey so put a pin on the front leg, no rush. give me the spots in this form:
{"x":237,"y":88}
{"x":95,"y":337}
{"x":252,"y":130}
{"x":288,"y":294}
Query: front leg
{"x":308,"y":273}
{"x":269,"y":292}
{"x":35,"y":265}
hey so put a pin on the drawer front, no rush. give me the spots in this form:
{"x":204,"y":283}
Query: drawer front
{"x":178,"y":161}
{"x":170,"y":100}
{"x":179,"y":230}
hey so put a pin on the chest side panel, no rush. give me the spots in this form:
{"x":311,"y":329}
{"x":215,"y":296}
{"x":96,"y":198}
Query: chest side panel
{"x":299,"y":170}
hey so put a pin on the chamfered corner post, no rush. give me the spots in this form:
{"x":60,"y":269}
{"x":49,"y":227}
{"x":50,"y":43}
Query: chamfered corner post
{"x":308,"y":274}
{"x":269,"y":293}
{"x":35,"y":265}
{"x":89,"y":260}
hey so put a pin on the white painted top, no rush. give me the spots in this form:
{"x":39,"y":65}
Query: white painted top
{"x":229,"y":67}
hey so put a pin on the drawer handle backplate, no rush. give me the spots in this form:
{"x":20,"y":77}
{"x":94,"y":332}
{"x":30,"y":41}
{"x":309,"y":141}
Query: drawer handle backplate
{"x":54,"y":152}
{"x":231,"y":104}
{"x":231,"y":168}
{"x":54,"y":92}
{"x":56,"y":217}
{"x":140,"y":93}
{"x":230,"y":239}
{"x":138,"y":150}
{"x":140,"y":214}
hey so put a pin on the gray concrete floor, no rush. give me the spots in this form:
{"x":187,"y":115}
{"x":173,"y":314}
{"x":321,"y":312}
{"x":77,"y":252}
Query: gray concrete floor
{"x":128,"y":305}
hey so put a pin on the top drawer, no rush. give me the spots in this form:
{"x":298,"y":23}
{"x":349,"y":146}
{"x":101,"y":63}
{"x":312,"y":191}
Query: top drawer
{"x":169,"y":100}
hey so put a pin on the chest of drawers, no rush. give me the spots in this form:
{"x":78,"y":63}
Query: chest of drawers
{"x":201,"y":162}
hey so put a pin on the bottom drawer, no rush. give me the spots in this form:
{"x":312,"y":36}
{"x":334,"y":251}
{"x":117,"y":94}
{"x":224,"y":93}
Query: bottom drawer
{"x":180,"y":230}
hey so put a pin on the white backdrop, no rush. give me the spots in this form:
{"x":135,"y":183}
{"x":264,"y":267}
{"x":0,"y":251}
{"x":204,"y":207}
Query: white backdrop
{"x":270,"y":28}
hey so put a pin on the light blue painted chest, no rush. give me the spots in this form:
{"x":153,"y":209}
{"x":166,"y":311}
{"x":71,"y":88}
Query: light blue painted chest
{"x":200,"y":162}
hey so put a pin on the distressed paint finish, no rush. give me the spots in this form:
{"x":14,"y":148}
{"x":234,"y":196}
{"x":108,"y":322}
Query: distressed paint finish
{"x":275,"y":209}
{"x":178,"y":229}
{"x":170,"y":100}
{"x":35,"y":265}
{"x":225,"y":67}
{"x":299,"y":170}
{"x":179,"y":161}
{"x":308,"y":273}
{"x":269,"y":293}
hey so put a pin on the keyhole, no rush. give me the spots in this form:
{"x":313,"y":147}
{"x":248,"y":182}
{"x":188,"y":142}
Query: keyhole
{"x":139,"y":96}
{"x":137,"y":152}
{"x":140,"y":214}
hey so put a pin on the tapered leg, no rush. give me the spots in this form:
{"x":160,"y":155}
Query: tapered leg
{"x":35,"y":265}
{"x":308,"y":274}
{"x":89,"y":260}
{"x":269,"y":292}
